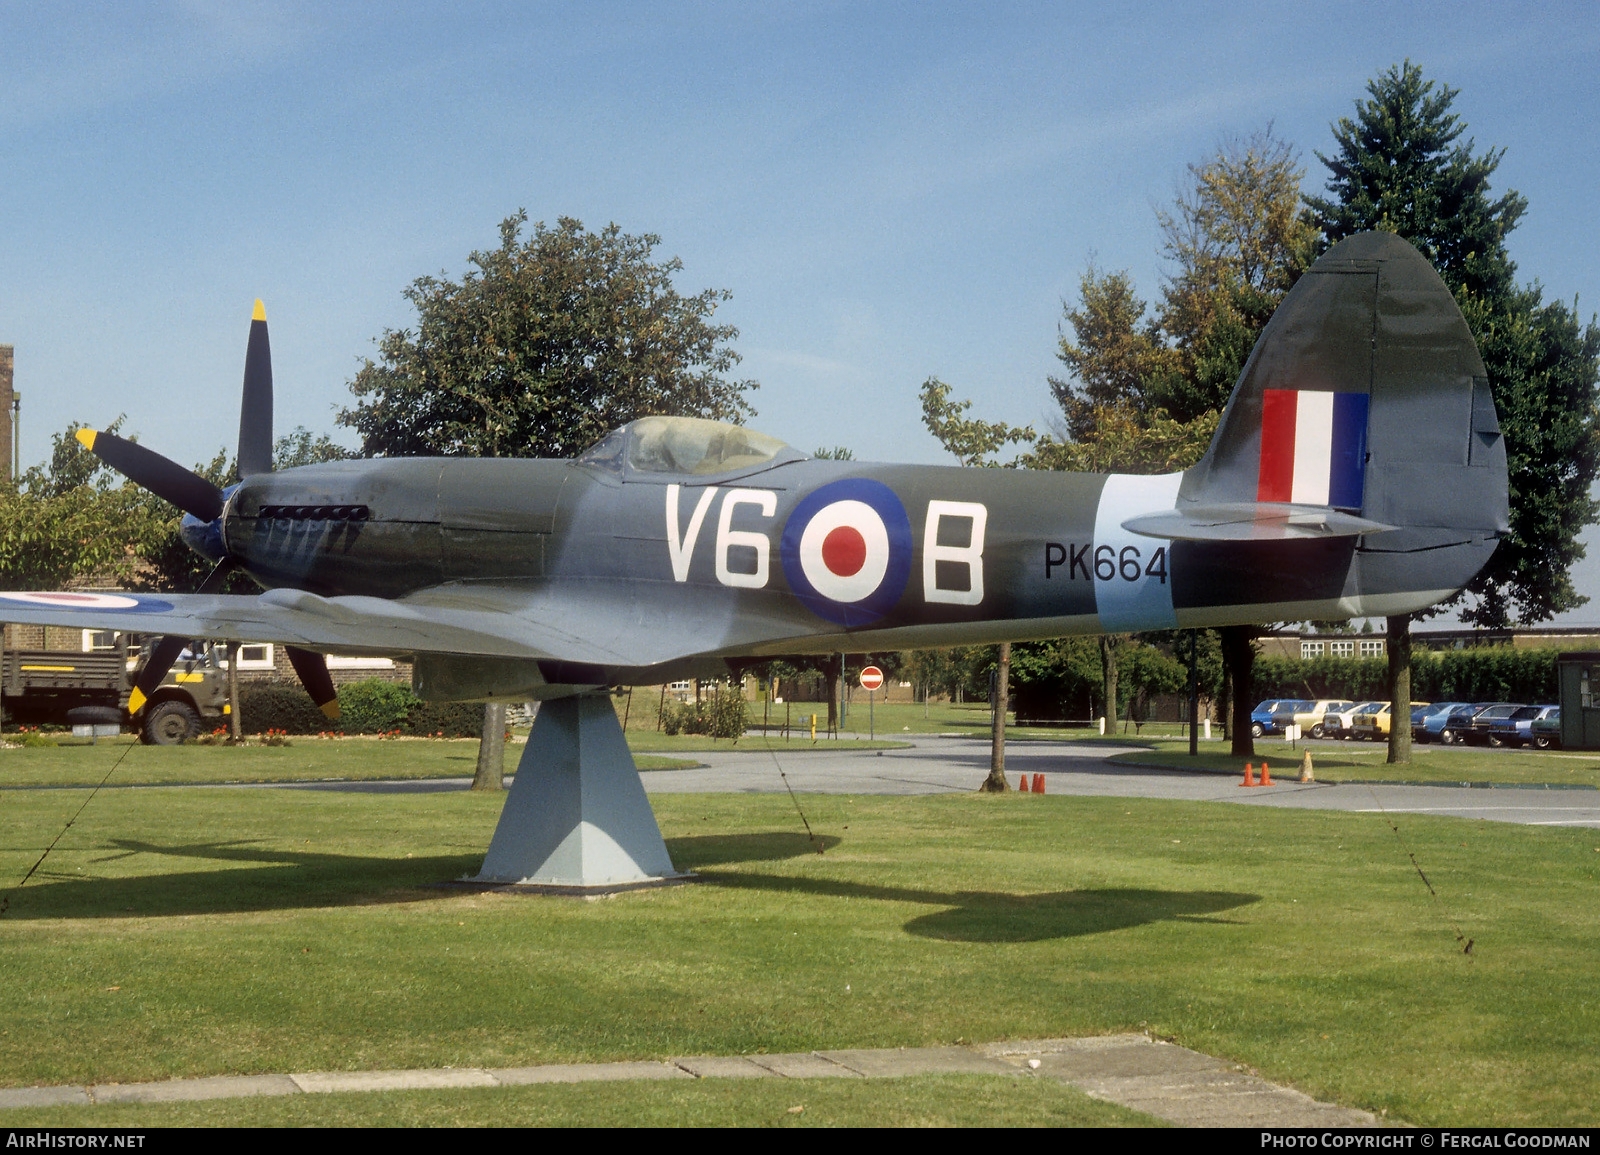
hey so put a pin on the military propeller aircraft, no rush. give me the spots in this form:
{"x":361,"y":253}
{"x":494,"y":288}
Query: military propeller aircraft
{"x":1358,"y":470}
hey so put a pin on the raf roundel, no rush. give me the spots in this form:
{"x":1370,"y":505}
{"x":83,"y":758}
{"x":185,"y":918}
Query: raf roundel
{"x":846,"y":551}
{"x":70,"y":600}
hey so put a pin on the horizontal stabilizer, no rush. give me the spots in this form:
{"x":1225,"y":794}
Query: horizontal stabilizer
{"x":1252,"y":521}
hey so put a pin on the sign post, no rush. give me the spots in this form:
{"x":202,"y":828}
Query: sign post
{"x":871,"y":679}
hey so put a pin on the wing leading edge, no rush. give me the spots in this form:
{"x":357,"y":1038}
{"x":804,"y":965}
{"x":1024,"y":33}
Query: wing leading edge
{"x":601,"y":624}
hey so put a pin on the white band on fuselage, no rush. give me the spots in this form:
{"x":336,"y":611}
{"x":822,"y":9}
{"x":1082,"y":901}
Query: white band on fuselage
{"x":1133,"y":573}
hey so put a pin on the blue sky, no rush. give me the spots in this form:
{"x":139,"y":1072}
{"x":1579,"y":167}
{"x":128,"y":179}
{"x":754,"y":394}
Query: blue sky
{"x":889,"y":190}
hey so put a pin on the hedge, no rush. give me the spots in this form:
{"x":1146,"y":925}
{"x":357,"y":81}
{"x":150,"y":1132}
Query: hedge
{"x":1481,"y":674}
{"x":369,"y":707}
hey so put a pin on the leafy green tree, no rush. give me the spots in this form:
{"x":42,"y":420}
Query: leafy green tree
{"x":73,"y":521}
{"x":971,"y":440}
{"x":542,"y":347}
{"x":302,"y":448}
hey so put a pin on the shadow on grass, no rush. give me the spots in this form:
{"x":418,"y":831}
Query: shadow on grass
{"x":277,"y":879}
{"x":696,"y":852}
{"x":995,"y":916}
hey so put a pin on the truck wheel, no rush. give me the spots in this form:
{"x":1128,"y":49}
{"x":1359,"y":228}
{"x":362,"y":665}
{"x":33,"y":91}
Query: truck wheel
{"x":169,"y":723}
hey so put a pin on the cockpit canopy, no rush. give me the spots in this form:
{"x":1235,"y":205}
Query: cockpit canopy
{"x":687,"y":445}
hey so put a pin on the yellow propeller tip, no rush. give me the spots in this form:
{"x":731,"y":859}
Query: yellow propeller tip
{"x":86,"y":437}
{"x":331,"y":709}
{"x":136,"y":700}
{"x":260,"y":311}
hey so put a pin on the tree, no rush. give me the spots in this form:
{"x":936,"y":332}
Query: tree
{"x":74,"y":520}
{"x":1401,"y":166}
{"x":542,"y":347}
{"x":1113,"y":351}
{"x":490,"y":770}
{"x":302,"y":448}
{"x":971,"y":440}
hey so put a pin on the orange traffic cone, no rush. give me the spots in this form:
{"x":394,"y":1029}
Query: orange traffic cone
{"x":1022,"y":784}
{"x":1266,"y":774}
{"x":1249,"y":774}
{"x":1038,"y":783}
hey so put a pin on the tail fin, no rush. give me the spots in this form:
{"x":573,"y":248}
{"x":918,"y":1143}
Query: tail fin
{"x":1364,"y":410}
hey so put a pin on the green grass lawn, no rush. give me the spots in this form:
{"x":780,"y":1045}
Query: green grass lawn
{"x":925,"y":1101}
{"x":304,"y":759}
{"x":195,"y":932}
{"x":1364,"y":762}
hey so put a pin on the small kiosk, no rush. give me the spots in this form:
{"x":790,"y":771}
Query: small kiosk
{"x":1578,"y":675}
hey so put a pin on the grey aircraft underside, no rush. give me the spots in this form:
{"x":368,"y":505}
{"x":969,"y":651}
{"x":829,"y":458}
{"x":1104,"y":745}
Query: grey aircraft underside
{"x":1358,"y":470}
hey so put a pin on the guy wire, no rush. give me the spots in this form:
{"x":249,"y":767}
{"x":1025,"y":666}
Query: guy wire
{"x":1443,"y":906}
{"x":766,"y":740}
{"x":5,"y":902}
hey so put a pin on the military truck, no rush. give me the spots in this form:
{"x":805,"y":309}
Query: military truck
{"x":42,"y":686}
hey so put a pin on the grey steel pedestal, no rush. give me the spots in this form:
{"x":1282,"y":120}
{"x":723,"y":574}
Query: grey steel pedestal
{"x":577,"y":816}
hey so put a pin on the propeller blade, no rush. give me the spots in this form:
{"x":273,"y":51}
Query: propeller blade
{"x":166,"y":651}
{"x":162,"y":658}
{"x":255,"y":411}
{"x":167,"y":479}
{"x":312,"y":669}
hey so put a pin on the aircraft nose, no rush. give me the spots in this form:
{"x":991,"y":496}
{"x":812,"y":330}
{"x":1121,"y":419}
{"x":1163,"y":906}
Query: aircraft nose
{"x":204,"y":537}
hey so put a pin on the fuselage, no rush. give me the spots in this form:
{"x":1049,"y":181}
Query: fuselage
{"x":826,"y":554}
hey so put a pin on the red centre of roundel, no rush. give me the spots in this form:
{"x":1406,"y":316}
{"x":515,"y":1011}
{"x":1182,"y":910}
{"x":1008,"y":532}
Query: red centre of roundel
{"x":844,"y":550}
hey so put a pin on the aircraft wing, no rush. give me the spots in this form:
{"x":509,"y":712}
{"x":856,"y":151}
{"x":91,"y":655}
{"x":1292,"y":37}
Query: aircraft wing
{"x":599,"y":623}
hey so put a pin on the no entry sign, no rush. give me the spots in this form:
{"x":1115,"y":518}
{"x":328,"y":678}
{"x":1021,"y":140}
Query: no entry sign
{"x":871,"y":678}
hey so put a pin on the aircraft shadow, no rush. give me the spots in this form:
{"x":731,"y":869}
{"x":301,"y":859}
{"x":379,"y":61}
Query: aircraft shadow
{"x":995,"y":916}
{"x":286,"y":879}
{"x":280,"y":880}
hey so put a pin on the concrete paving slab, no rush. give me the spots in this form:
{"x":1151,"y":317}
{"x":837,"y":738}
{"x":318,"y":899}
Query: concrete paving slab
{"x":585,"y":1073}
{"x":1160,"y":1079}
{"x":723,"y":1067}
{"x":326,"y":1082}
{"x":1175,"y":1083}
{"x":804,"y":1066}
{"x":1033,"y":1048}
{"x":899,"y":1061}
{"x":194,"y":1090}
{"x":1130,"y":1060}
{"x":44,"y":1097}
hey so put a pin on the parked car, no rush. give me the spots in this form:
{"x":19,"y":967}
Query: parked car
{"x":1361,"y":725}
{"x":1457,"y":724}
{"x":1261,"y":718}
{"x":1426,"y":724}
{"x":1516,"y":730}
{"x":1373,"y":725}
{"x":1481,"y":732}
{"x":1545,"y":730}
{"x":1337,"y":723}
{"x":1310,"y":720}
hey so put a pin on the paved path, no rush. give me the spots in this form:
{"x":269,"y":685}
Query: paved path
{"x":940,"y":765}
{"x":1170,"y":1082}
{"x":936,"y":765}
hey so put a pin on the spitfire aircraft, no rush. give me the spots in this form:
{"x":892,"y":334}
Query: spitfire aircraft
{"x":1358,"y":470}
